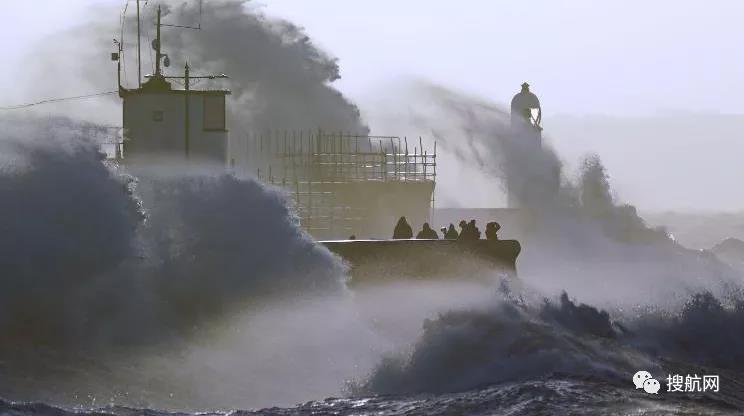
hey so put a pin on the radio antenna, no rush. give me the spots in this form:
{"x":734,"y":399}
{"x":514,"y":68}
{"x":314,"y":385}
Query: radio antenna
{"x":139,"y":48}
{"x":197,"y":27}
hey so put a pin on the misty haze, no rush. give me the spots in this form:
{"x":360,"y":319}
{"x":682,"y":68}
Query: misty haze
{"x":354,"y":208}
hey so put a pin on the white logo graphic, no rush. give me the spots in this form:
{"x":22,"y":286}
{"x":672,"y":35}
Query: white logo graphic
{"x":677,"y":383}
{"x":693,"y":383}
{"x":651,"y":386}
{"x":640,"y":377}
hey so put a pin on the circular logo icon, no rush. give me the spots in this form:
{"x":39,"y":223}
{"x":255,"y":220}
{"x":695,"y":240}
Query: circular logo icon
{"x":651,"y":386}
{"x":640,"y":377}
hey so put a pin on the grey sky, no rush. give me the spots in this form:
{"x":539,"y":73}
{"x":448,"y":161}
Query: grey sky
{"x":628,"y":58}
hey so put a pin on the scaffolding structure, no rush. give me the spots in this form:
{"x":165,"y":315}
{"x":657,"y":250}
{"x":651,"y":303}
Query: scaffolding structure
{"x":329,"y":176}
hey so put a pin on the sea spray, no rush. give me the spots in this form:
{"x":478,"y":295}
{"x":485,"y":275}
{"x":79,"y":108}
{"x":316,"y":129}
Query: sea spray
{"x":469,"y":348}
{"x":208,"y":282}
{"x":576,"y":235}
{"x":66,"y":223}
{"x":585,"y":240}
{"x":278,"y":77}
{"x":707,"y":331}
{"x":93,"y":257}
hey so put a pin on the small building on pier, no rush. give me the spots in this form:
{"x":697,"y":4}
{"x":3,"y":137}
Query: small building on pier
{"x":161,"y":121}
{"x":337,"y":184}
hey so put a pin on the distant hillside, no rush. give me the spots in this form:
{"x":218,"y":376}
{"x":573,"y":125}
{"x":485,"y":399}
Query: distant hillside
{"x":731,"y":251}
{"x":721,"y":234}
{"x":700,"y":231}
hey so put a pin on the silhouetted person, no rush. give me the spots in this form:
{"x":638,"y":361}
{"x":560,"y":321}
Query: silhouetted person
{"x":444,"y":231}
{"x":402,"y":230}
{"x":451,"y":233}
{"x":427,"y":233}
{"x":475,"y":232}
{"x":492,"y":228}
{"x":463,"y":230}
{"x":469,"y":231}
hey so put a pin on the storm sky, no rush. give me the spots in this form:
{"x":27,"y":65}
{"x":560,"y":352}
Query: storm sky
{"x":653,"y":87}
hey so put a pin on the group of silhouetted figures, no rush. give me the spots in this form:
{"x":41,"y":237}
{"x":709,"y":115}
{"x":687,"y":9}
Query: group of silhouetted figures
{"x":468,"y":231}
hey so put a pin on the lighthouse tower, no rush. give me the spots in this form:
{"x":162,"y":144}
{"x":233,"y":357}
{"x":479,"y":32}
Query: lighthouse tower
{"x":526,"y":115}
{"x":526,"y":133}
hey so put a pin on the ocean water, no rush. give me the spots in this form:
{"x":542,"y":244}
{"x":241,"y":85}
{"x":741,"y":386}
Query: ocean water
{"x":176,"y":291}
{"x":554,"y":394}
{"x":560,"y":358}
{"x":183,"y":291}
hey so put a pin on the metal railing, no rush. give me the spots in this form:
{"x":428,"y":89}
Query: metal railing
{"x":310,"y":165}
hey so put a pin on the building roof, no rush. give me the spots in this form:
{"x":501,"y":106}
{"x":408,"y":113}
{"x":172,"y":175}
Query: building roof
{"x":159,"y":85}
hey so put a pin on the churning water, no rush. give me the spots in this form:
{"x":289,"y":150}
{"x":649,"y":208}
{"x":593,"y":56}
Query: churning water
{"x":191,"y":290}
{"x":173,"y":289}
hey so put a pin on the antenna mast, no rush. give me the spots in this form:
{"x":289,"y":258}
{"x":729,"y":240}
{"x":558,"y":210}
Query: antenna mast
{"x":139,"y":48}
{"x":157,"y":47}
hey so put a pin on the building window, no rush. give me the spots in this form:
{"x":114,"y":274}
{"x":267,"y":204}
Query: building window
{"x":214,"y":113}
{"x":157,"y":115}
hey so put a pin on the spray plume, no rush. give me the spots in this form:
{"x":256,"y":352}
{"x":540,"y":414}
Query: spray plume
{"x":112,"y":259}
{"x":666,"y":303}
{"x":581,"y":240}
{"x":278,"y":77}
{"x":577,"y":236}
